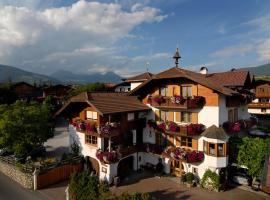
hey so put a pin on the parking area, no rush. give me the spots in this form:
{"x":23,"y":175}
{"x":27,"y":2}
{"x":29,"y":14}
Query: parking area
{"x":165,"y":188}
{"x":59,"y":144}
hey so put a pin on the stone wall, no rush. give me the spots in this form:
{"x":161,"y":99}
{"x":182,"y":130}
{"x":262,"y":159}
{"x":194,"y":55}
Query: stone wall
{"x":26,"y":180}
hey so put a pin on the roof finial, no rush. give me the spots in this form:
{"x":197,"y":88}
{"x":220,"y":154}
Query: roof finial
{"x":176,"y":57}
{"x":147,"y":66}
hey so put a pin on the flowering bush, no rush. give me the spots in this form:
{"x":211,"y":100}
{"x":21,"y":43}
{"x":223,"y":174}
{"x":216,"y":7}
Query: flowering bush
{"x":235,"y":127}
{"x":177,"y":99}
{"x":159,"y":99}
{"x":161,"y":126}
{"x":106,"y":156}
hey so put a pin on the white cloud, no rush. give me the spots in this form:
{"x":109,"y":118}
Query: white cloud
{"x":80,"y":35}
{"x":235,"y":50}
{"x":263,"y":23}
{"x":263,"y":50}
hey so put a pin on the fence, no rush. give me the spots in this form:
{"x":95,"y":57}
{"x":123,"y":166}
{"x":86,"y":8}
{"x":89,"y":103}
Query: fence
{"x":57,"y":174}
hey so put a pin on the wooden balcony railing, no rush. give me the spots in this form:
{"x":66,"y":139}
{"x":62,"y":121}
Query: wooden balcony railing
{"x":262,"y":94}
{"x":259,"y":105}
{"x":171,"y":102}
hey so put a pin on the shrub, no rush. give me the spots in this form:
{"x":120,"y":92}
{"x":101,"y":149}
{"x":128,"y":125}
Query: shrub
{"x":75,"y":149}
{"x":210,"y":180}
{"x":189,"y":177}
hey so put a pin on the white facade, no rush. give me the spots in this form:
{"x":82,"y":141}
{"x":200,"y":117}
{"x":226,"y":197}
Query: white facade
{"x":122,"y":88}
{"x":133,"y":85}
{"x":259,"y":111}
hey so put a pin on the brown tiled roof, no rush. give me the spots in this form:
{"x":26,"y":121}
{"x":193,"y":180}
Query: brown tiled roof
{"x":141,"y":77}
{"x":182,"y":73}
{"x":215,"y":133}
{"x":230,"y":78}
{"x":108,"y":103}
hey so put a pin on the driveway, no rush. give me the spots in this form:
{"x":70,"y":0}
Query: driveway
{"x":10,"y":189}
{"x":59,"y":144}
{"x":164,"y":188}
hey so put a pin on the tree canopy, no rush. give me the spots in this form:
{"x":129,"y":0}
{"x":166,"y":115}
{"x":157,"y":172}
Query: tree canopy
{"x":24,"y":126}
{"x":91,"y":87}
{"x":252,"y":153}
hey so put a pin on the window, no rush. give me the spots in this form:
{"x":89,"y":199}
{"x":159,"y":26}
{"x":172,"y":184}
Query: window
{"x":195,"y":170}
{"x":164,"y":115}
{"x":220,"y":149}
{"x":233,"y":115}
{"x":163,"y":91}
{"x":186,"y":117}
{"x":130,"y":116}
{"x":91,"y":115}
{"x":90,"y":139}
{"x":186,"y":141}
{"x":212,"y":149}
{"x":186,"y":91}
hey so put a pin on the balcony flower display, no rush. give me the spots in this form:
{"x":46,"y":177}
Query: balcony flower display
{"x":105,"y":129}
{"x":90,"y":127}
{"x":199,"y":100}
{"x":161,"y":126}
{"x":106,"y":156}
{"x":158,"y":99}
{"x":177,"y":99}
{"x":173,"y":127}
{"x":195,"y":156}
{"x":179,"y":153}
{"x":195,"y":129}
{"x":80,"y":126}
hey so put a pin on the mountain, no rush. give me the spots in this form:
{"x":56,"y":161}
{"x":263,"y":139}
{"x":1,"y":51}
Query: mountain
{"x":262,"y":70}
{"x":70,"y":77}
{"x":9,"y":73}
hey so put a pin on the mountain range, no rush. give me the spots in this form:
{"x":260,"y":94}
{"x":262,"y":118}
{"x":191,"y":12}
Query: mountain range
{"x":13,"y":74}
{"x":70,"y":77}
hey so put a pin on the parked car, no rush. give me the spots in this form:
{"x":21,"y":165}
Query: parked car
{"x":241,"y":179}
{"x":39,"y":151}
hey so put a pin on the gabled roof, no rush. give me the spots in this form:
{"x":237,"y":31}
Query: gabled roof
{"x":175,"y":72}
{"x":107,"y":103}
{"x":230,"y":78}
{"x":214,"y":132}
{"x":141,"y":77}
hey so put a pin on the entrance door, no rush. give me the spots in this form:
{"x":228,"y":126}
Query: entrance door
{"x":125,"y":167}
{"x":176,"y":168}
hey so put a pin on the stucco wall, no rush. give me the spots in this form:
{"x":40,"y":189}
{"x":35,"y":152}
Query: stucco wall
{"x":209,"y":115}
{"x":134,"y":85}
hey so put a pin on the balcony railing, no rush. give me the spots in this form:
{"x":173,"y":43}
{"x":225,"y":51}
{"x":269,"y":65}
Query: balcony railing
{"x":173,"y":128}
{"x":91,"y":127}
{"x":176,"y":102}
{"x":259,"y":105}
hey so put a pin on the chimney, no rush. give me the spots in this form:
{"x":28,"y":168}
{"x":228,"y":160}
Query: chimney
{"x":203,"y":70}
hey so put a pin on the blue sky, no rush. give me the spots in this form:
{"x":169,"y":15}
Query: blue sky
{"x":128,"y":36}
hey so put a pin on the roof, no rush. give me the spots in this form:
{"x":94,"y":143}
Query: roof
{"x":214,"y":132}
{"x":176,"y":72}
{"x":230,"y":78}
{"x":107,"y":103}
{"x":141,"y":77}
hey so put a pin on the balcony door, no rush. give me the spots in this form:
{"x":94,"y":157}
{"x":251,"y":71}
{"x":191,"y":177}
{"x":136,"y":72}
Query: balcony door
{"x":163,"y":91}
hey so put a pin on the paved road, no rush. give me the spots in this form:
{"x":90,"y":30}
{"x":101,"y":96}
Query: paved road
{"x":10,"y":190}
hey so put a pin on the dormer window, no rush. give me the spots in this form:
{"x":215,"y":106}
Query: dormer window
{"x":91,"y":115}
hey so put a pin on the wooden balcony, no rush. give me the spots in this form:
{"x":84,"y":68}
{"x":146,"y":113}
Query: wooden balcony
{"x":186,"y":103}
{"x":259,"y":105}
{"x":259,"y":94}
